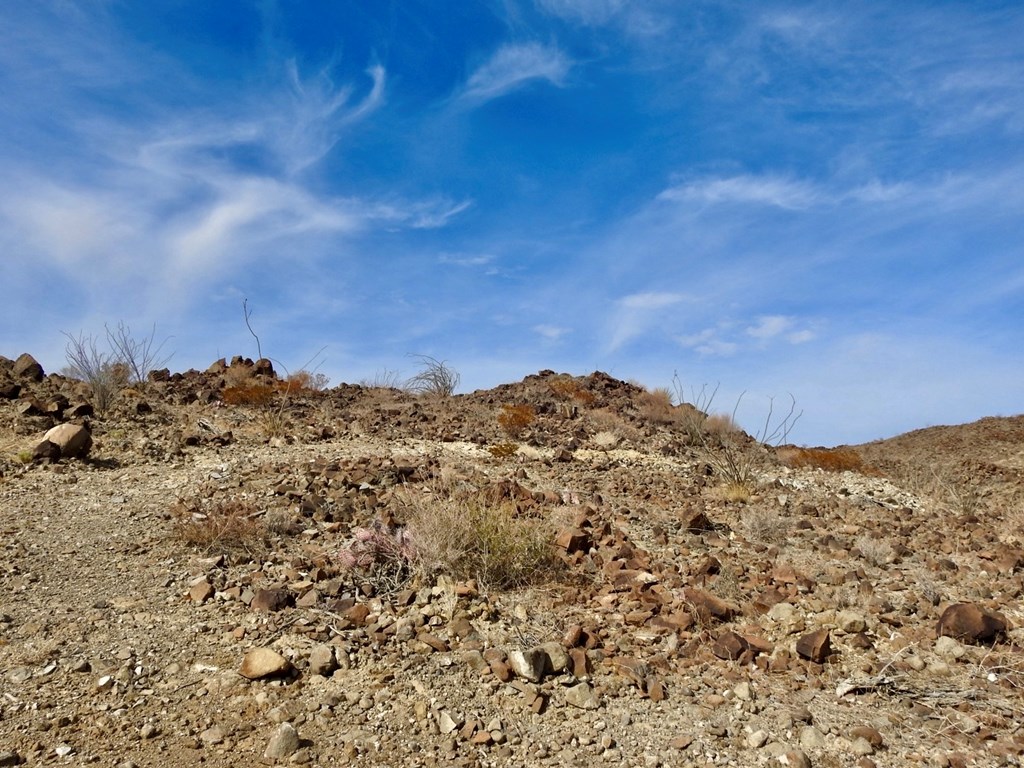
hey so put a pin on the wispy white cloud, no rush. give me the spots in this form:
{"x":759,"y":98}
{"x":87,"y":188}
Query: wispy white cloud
{"x":551,"y":332}
{"x":512,"y":66}
{"x":466,"y":260}
{"x":761,"y":190}
{"x":590,"y":12}
{"x":651,"y":300}
{"x":638,"y":314}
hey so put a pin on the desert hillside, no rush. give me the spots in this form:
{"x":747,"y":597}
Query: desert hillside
{"x":227,"y":568}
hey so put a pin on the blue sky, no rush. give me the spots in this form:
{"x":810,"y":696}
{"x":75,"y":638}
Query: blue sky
{"x":820,"y":198}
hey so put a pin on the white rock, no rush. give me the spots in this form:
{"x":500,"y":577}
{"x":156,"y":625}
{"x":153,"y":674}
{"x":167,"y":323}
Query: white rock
{"x":284,"y":743}
{"x":74,"y":440}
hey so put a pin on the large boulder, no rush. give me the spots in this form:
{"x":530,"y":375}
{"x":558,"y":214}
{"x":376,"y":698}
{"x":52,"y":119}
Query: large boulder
{"x":971,"y":623}
{"x":74,"y":440}
{"x":26,"y":367}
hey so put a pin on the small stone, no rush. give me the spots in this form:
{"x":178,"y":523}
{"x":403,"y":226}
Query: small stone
{"x":448,"y":724}
{"x":322,"y":661}
{"x":851,"y":622}
{"x":971,"y":623}
{"x":283,"y":744}
{"x":212,"y":735}
{"x":8,"y":759}
{"x":796,"y":758}
{"x":757,"y":739}
{"x":811,"y":738}
{"x":263,"y":662}
{"x":201,"y":591}
{"x":743,"y":692}
{"x":815,"y":646}
{"x":558,"y":660}
{"x":148,"y":731}
{"x":63,"y":750}
{"x":949,"y":648}
{"x":861,"y":747}
{"x":581,"y":696}
{"x":530,"y":664}
{"x":871,"y":735}
{"x":27,"y":367}
{"x":729,"y":646}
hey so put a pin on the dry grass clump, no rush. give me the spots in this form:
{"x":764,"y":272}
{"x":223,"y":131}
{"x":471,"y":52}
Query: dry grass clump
{"x":829,"y":459}
{"x":436,"y":378}
{"x":878,"y":552}
{"x":656,"y":406}
{"x":721,"y":424}
{"x":513,"y":419}
{"x":471,"y":538}
{"x":230,"y":526}
{"x":766,"y":527}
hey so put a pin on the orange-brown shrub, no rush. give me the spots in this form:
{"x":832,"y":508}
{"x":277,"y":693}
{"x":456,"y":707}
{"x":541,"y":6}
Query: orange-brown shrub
{"x":515,"y":418}
{"x":503,"y":450}
{"x":249,"y":394}
{"x":830,"y":459}
{"x":567,"y":388}
{"x":305,"y":382}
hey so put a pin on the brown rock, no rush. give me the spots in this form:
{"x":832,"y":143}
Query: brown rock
{"x":9,"y":390}
{"x":201,"y":591}
{"x":797,"y":758}
{"x":74,"y":440}
{"x":815,"y":646}
{"x":729,"y":646}
{"x":269,"y":600}
{"x":655,"y":689}
{"x":572,"y":540}
{"x":433,"y":641}
{"x":46,"y":451}
{"x":971,"y":623}
{"x":869,"y":734}
{"x":707,"y":606}
{"x":26,"y":367}
{"x":263,"y":662}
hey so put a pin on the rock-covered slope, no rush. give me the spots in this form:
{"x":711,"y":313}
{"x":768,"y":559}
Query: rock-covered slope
{"x":242,"y":570}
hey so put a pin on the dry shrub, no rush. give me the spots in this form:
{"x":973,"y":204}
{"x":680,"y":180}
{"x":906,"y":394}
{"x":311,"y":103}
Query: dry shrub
{"x":829,"y":459}
{"x":764,"y":526}
{"x":878,"y":551}
{"x":306,"y":382}
{"x":436,"y":378}
{"x":567,"y":388}
{"x":721,"y":424}
{"x":231,"y":526}
{"x":503,"y":450}
{"x":515,"y":418}
{"x":249,"y":394}
{"x":470,"y":538}
{"x":656,"y":406}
